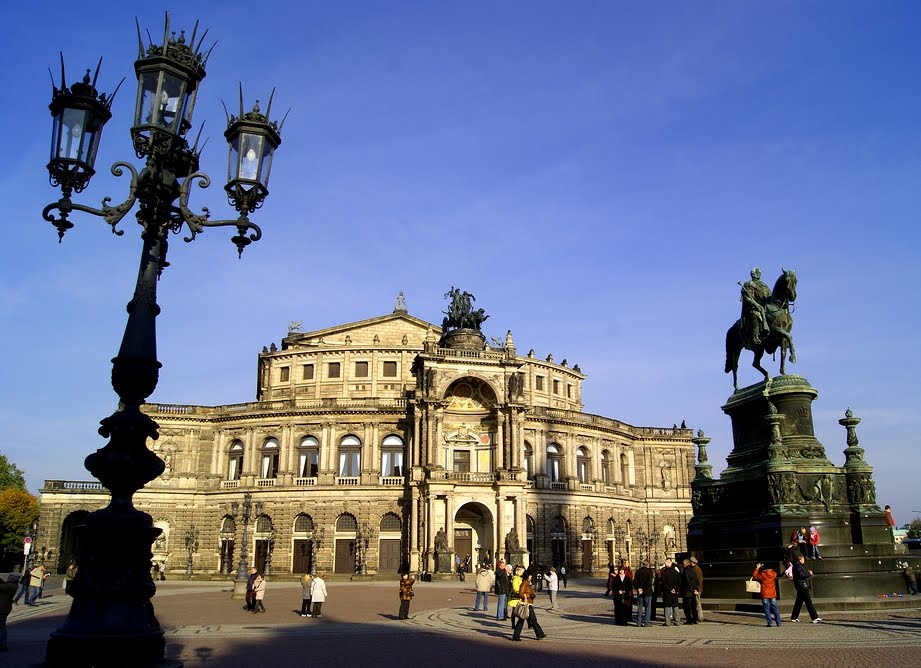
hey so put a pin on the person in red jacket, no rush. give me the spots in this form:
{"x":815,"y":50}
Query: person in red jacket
{"x":814,"y":539}
{"x":767,"y":576}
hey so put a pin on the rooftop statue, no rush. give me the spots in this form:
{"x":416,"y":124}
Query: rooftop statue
{"x":460,"y":314}
{"x":765,"y":324}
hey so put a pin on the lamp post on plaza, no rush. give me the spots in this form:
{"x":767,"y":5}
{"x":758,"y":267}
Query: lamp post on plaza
{"x":654,"y":545}
{"x":107,"y":623}
{"x":191,"y":544}
{"x":318,"y":537}
{"x":363,"y":539}
{"x":620,"y":537}
{"x":642,"y":544}
{"x":248,"y":509}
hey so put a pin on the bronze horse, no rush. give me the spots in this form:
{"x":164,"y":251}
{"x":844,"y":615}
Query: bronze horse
{"x":780,"y":322}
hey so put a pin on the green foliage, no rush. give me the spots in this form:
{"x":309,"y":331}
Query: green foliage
{"x":11,"y":475}
{"x":18,"y":509}
{"x":914,"y":528}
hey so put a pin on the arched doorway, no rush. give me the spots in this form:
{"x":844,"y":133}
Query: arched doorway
{"x":474,"y":534}
{"x":68,"y":548}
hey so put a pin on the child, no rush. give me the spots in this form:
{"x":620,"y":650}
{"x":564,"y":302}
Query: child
{"x":814,"y":543}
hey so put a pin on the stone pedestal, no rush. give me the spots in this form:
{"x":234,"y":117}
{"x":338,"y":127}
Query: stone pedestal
{"x":779,"y":479}
{"x":444,"y":562}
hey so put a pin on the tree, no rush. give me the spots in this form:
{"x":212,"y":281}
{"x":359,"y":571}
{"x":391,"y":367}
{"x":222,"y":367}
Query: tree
{"x":914,"y":528}
{"x":11,"y":475}
{"x":18,"y":509}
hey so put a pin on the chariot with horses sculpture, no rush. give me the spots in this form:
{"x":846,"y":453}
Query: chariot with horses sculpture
{"x":765,"y":325}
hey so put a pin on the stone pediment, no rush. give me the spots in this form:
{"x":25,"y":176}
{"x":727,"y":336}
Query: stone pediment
{"x":395,"y":330}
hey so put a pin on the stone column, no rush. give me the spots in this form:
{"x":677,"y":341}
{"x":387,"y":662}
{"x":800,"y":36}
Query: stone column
{"x":499,"y":447}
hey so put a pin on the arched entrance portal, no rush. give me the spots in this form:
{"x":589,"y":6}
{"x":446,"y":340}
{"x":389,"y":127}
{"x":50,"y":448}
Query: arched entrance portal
{"x":68,"y":548}
{"x":474,"y":533}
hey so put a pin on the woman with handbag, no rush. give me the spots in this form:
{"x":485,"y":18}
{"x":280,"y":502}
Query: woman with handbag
{"x":406,"y":595}
{"x":525,"y":610}
{"x":621,"y":592}
{"x":767,"y":578}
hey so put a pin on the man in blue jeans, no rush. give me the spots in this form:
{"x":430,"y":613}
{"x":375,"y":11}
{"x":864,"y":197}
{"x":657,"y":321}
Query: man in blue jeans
{"x":643,"y":581}
{"x":484,"y":583}
{"x":36,"y":580}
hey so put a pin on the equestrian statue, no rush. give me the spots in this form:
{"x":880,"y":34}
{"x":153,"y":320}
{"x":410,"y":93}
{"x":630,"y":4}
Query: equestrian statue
{"x":765,"y":324}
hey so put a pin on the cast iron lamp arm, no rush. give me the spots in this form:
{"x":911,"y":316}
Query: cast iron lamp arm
{"x":112,"y":214}
{"x":197,"y":222}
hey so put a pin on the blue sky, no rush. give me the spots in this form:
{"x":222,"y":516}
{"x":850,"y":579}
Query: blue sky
{"x":599,"y":174}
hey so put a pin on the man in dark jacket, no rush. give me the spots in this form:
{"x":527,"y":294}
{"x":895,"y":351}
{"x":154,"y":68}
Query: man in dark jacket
{"x":695,"y":566}
{"x":503,"y":588}
{"x":670,"y":583}
{"x":643,"y":583}
{"x":802,"y":582}
{"x":690,"y":589}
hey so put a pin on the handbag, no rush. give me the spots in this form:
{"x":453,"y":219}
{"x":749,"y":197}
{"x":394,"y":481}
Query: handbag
{"x":752,"y":586}
{"x":520,"y":611}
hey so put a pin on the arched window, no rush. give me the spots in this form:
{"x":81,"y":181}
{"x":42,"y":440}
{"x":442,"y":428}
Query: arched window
{"x":624,"y":470}
{"x":303,"y":523}
{"x":346,"y":523}
{"x":391,"y":522}
{"x":554,"y":461}
{"x":392,"y":456}
{"x":528,"y":460}
{"x":605,"y":466}
{"x":308,"y":457}
{"x":350,"y":456}
{"x":228,"y":525}
{"x":583,"y":465}
{"x":270,"y":459}
{"x":264,"y":524}
{"x":236,"y":461}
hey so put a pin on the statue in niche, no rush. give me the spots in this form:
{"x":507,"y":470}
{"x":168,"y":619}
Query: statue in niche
{"x":441,"y":541}
{"x":511,"y":541}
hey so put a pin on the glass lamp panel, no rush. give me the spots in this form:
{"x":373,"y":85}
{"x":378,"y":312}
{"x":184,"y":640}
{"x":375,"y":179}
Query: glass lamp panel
{"x":92,"y":137}
{"x":146,"y":109}
{"x":171,"y":102}
{"x":250,"y":153}
{"x":70,"y":144}
{"x":233,"y":158}
{"x":266,"y":164}
{"x":55,"y":136}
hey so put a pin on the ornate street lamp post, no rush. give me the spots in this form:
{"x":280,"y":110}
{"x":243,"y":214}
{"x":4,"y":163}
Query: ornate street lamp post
{"x":107,"y":623}
{"x":641,"y":544}
{"x":248,"y":510}
{"x":318,"y":537}
{"x":654,"y":546}
{"x":191,"y":544}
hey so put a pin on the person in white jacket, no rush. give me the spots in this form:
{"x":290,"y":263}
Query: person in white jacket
{"x":553,"y":586}
{"x":317,"y":594}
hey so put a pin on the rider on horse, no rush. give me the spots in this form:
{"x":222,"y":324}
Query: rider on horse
{"x":755,"y":296}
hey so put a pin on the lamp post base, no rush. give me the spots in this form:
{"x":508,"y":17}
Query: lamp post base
{"x":239,"y":589}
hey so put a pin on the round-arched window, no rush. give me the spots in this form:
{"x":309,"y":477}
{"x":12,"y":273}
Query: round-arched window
{"x":303,"y":523}
{"x":346,"y":522}
{"x":390,"y":522}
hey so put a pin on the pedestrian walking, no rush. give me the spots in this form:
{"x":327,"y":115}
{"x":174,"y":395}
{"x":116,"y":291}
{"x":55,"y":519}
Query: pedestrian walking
{"x":23,"y":588}
{"x":802,"y":582}
{"x":36,"y":582}
{"x":698,"y":595}
{"x":318,"y":594}
{"x":406,"y":595}
{"x":767,"y":576}
{"x":526,"y":596}
{"x":563,"y":571}
{"x":259,"y":593}
{"x":69,"y":576}
{"x":250,"y":595}
{"x":305,"y":595}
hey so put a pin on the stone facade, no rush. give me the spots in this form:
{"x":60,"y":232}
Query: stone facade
{"x":367,"y":439}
